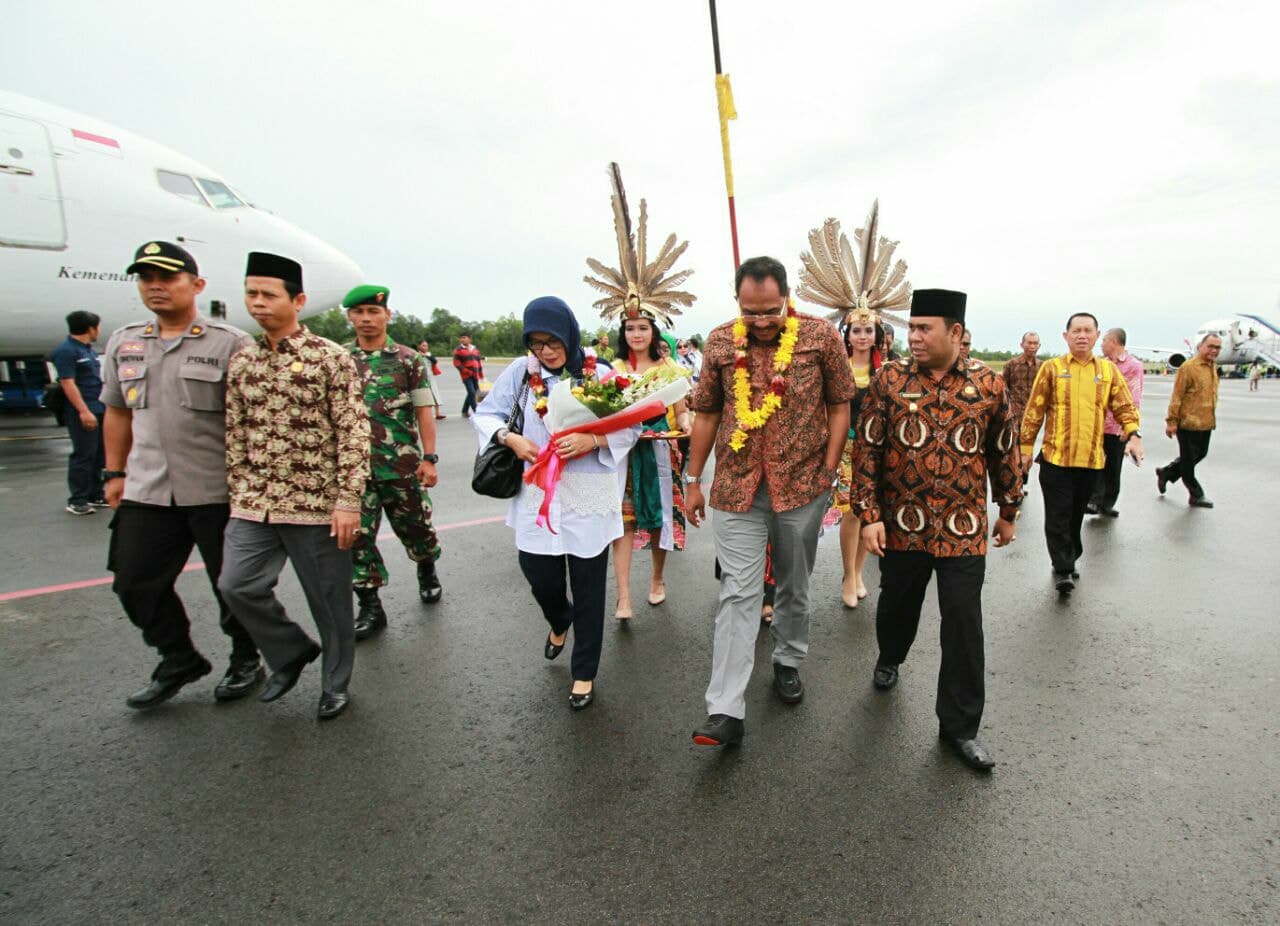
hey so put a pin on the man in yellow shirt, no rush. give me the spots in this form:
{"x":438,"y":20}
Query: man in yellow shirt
{"x":1070,"y":397}
{"x":1192,"y":419}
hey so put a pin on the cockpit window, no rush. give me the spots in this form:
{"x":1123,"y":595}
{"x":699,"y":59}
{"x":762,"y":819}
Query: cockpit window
{"x":220,"y":195}
{"x":181,"y":185}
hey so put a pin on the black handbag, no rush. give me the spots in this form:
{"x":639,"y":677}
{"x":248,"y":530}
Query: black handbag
{"x":498,"y":471}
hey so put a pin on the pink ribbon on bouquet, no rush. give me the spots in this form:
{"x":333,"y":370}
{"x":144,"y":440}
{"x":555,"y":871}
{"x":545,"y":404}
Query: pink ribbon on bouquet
{"x":545,"y":471}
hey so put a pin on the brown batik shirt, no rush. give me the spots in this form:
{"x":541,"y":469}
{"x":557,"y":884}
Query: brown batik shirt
{"x":1019,"y":375}
{"x":789,"y":452}
{"x":924,"y":452}
{"x":297,"y":431}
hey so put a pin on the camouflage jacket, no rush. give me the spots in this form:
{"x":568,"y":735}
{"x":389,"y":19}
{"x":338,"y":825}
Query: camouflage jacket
{"x":297,"y":431}
{"x":395,"y":386}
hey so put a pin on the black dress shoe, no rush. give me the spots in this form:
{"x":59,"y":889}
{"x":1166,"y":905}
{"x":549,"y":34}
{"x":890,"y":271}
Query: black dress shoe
{"x":1064,"y":582}
{"x":786,"y":682}
{"x":885,"y":676}
{"x":429,"y":589}
{"x":719,"y":730}
{"x":287,"y":676}
{"x":582,"y":701}
{"x":974,"y":754}
{"x":371,"y":618}
{"x":1162,"y":481}
{"x":1201,"y":502}
{"x":1110,"y":512}
{"x":332,"y":703}
{"x":241,"y":678}
{"x":551,"y":650}
{"x":167,"y":680}
{"x":1091,"y":508}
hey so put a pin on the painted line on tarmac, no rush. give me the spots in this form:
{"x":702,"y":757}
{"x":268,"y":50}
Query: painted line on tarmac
{"x":192,"y":567}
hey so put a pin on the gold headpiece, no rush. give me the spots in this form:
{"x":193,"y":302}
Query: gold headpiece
{"x":861,"y":288}
{"x":638,"y":289}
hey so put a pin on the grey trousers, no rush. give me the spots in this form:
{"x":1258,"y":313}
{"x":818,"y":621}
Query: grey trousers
{"x":740,"y":546}
{"x":253,"y":556}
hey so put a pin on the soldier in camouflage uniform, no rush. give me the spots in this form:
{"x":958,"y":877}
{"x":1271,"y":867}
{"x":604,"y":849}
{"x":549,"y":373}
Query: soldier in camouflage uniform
{"x":401,"y":408}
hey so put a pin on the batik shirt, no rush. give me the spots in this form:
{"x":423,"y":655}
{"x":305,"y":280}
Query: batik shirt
{"x":297,"y":431}
{"x":1070,"y":398}
{"x":790,"y":451}
{"x":1195,"y":396}
{"x":1019,"y":375}
{"x":925,"y":451}
{"x":395,"y":385}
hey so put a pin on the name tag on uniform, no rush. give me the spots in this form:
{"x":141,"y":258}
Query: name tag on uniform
{"x":131,"y":347}
{"x":912,"y":395}
{"x":1064,"y":376}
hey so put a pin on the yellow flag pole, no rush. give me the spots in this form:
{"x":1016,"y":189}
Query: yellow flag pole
{"x":724,"y":103}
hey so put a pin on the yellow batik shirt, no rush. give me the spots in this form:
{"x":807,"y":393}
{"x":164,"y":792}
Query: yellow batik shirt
{"x":1071,"y":400}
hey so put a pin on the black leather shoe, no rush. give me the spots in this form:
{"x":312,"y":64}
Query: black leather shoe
{"x":241,"y":678}
{"x":1109,"y":512}
{"x":429,"y":589}
{"x":1091,"y":508}
{"x":719,"y":730}
{"x":786,"y":682}
{"x":167,"y":680}
{"x":1162,"y":481}
{"x":582,"y":701}
{"x":1063,"y":582}
{"x":885,"y":676}
{"x":332,"y":703}
{"x":550,"y":650}
{"x":286,"y":677}
{"x":371,"y":618}
{"x":973,"y":753}
{"x":1201,"y":502}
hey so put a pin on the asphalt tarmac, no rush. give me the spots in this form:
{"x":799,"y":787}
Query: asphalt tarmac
{"x":1136,"y":726}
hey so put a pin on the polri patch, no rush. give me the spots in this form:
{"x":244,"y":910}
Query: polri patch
{"x":132,"y":347}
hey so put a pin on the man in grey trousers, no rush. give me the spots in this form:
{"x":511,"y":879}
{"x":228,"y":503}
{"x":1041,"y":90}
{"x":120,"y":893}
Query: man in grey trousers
{"x":773,"y":479}
{"x":297,"y":463}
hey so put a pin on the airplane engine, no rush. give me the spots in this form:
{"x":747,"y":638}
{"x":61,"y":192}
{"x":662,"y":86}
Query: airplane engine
{"x":1176,"y":360}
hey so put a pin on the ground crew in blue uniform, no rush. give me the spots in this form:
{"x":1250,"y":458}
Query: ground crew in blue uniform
{"x":166,"y":477}
{"x":80,"y":375}
{"x":401,"y":408}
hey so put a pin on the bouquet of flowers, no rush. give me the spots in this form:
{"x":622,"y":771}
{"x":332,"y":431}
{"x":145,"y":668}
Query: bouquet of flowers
{"x":597,"y":405}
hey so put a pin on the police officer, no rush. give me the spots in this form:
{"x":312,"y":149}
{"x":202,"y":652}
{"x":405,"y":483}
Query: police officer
{"x":398,"y":396}
{"x":80,"y":376}
{"x":164,"y":391}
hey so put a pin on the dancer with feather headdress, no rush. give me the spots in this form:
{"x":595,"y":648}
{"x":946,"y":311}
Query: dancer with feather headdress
{"x":640,"y":296}
{"x":863,"y":285}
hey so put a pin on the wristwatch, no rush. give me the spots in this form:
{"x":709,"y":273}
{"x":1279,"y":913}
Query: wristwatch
{"x":109,"y":474}
{"x":501,"y":435}
{"x":431,"y":458}
{"x":690,"y":479}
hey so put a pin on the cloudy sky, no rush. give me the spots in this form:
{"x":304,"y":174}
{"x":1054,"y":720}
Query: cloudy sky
{"x":1118,"y":157}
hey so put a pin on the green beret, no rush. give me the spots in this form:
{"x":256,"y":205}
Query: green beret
{"x":367,"y":295}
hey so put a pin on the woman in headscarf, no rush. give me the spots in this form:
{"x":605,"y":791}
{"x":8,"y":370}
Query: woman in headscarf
{"x":652,"y":496}
{"x":585,"y":513}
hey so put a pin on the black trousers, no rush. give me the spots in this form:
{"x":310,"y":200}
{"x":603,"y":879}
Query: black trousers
{"x":1106,"y":486}
{"x":587,"y":578}
{"x":904,"y":577}
{"x":469,"y":402}
{"x":1193,"y":446}
{"x":85,"y":465}
{"x":1067,"y":490}
{"x":149,"y":548}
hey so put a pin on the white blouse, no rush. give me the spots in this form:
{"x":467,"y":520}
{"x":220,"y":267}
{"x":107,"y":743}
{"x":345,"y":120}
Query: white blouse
{"x":586,"y":510}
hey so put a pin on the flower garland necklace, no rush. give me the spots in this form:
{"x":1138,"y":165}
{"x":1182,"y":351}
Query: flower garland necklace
{"x":752,"y":419}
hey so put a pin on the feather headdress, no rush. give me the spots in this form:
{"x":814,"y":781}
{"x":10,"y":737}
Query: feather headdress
{"x":858,"y":284}
{"x":638,"y":289}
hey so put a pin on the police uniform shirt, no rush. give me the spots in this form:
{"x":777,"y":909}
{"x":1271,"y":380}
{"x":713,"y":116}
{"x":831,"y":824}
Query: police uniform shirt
{"x":77,"y":361}
{"x":176,"y":392}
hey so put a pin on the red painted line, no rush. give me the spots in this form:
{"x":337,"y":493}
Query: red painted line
{"x":100,"y":139}
{"x":192,"y":567}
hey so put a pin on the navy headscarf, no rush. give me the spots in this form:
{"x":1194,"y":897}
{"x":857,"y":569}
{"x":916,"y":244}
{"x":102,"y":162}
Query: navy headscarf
{"x":552,"y":315}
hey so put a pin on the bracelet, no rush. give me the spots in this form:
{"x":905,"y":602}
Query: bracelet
{"x":595,"y":439}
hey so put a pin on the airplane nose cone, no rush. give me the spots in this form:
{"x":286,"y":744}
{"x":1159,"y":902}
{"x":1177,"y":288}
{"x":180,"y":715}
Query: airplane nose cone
{"x":330,"y":275}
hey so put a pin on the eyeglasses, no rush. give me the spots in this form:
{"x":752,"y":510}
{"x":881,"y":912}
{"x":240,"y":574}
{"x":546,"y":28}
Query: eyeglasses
{"x":540,"y":345}
{"x":767,"y":313}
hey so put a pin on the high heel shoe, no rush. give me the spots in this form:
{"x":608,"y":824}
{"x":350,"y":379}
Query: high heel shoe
{"x":581,"y":701}
{"x":551,"y":650}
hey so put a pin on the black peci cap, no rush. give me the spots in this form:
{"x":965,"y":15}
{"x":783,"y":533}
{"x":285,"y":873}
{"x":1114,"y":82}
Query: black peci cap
{"x":261,"y":264}
{"x":941,"y":303}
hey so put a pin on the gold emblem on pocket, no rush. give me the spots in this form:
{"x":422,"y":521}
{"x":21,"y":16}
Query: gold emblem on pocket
{"x":296,"y":366}
{"x":132,"y":394}
{"x":913,"y":407}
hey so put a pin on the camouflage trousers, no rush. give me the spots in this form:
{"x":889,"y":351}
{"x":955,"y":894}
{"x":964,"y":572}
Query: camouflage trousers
{"x":408,"y":508}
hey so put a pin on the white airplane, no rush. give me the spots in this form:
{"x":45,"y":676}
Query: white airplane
{"x":78,"y":196}
{"x":1245,"y":338}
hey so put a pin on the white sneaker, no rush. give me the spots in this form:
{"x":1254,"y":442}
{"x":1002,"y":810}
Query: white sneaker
{"x":80,"y":509}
